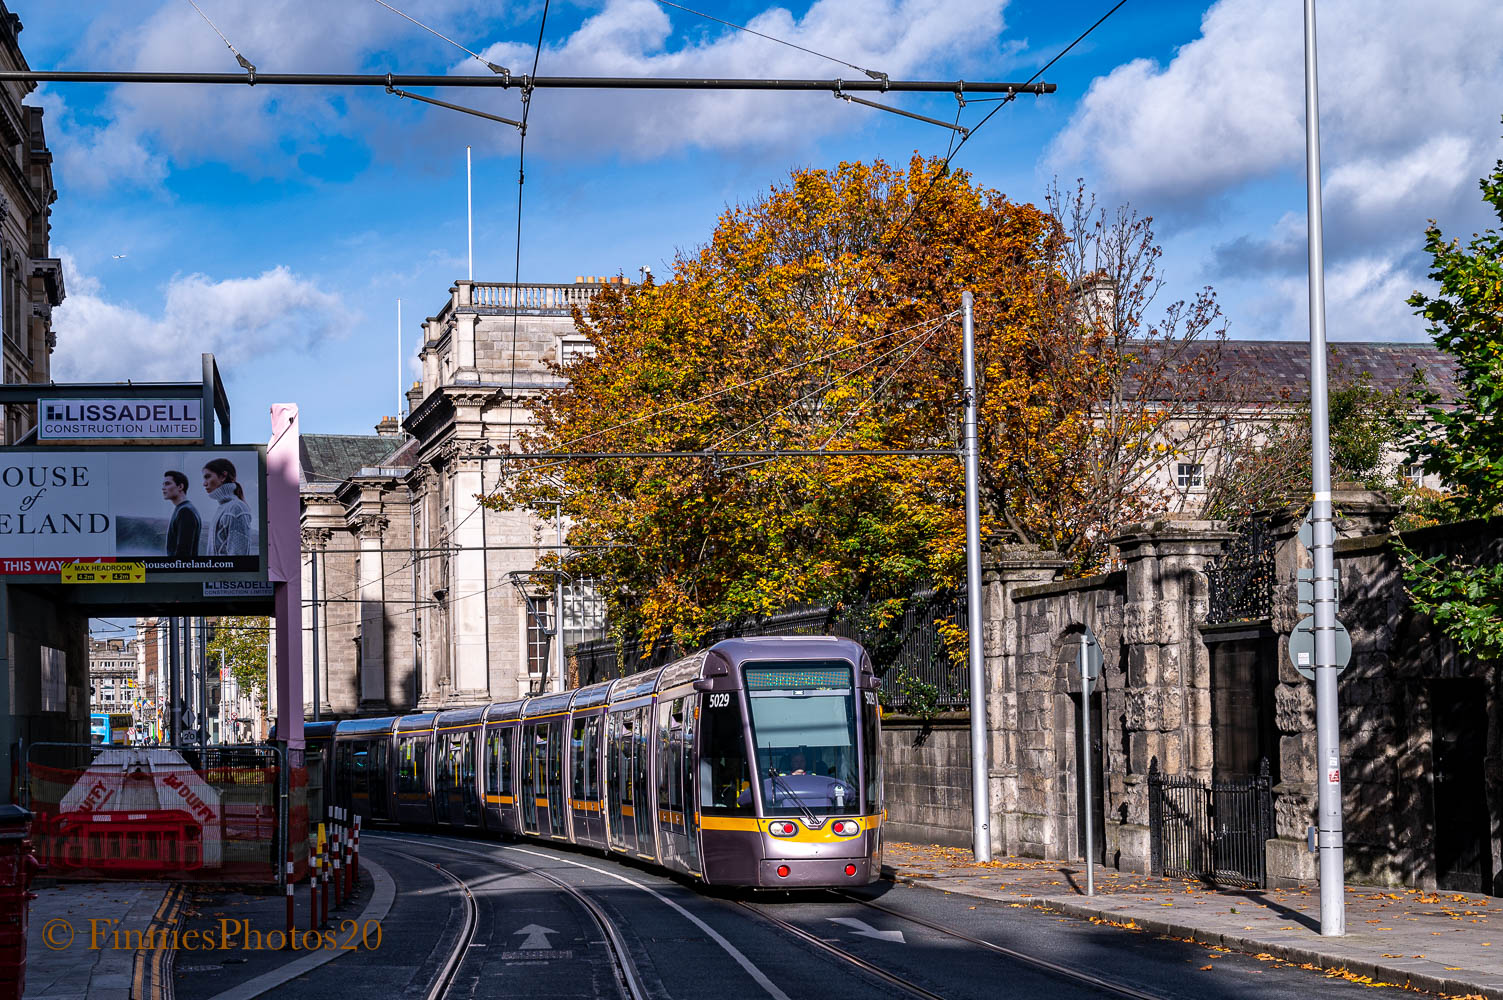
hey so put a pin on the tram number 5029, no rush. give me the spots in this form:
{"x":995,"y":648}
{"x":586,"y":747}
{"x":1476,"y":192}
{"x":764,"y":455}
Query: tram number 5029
{"x":871,"y":697}
{"x":720,"y":700}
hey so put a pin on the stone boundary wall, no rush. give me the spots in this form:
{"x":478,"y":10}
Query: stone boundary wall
{"x":927,"y":776}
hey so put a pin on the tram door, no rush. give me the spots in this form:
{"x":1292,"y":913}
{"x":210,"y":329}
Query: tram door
{"x":676,"y":822}
{"x":530,"y":768}
{"x":615,"y":787}
{"x":641,"y":781}
{"x":686,"y":772}
{"x":555,"y":794}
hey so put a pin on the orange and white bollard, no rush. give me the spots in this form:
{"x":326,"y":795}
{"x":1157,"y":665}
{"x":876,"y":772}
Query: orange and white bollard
{"x":323,"y":850}
{"x":336,"y":846}
{"x":313,"y":921}
{"x":355,"y":854}
{"x":291,"y":913}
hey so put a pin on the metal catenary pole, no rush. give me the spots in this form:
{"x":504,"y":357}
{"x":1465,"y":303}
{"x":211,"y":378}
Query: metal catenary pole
{"x":1327,"y":717}
{"x":981,"y":809}
{"x":313,"y":607}
{"x":1085,"y":770}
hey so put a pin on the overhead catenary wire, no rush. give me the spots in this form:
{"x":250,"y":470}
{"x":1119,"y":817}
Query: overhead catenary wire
{"x":498,"y":70}
{"x":874,"y":74}
{"x":245,"y":63}
{"x":1027,"y":87}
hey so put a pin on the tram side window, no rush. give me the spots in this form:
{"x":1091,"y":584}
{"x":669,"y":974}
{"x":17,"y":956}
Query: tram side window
{"x":592,"y":757}
{"x":409,"y":772}
{"x":579,"y":759}
{"x":724,"y":776}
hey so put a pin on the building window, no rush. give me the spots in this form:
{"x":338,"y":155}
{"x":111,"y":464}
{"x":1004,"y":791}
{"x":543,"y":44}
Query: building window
{"x":537,"y":643}
{"x":571,"y":350}
{"x":1190,"y":476}
{"x":54,"y":680}
{"x":1416,"y":473}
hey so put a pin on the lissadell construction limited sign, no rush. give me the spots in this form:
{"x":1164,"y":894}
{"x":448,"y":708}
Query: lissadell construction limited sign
{"x":120,"y":421}
{"x":199,"y":511}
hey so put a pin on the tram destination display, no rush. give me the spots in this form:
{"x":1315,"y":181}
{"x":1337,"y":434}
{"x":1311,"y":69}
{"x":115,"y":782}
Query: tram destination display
{"x":196,"y":511}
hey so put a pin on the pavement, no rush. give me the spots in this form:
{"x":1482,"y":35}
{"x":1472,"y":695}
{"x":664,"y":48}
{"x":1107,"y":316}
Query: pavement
{"x":85,"y":939}
{"x":1438,"y":941}
{"x":72,"y":950}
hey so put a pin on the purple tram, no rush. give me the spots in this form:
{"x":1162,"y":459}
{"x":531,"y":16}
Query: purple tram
{"x":756,"y":762}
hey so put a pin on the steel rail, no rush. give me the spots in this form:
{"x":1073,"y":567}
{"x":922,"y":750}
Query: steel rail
{"x":876,"y":970}
{"x":525,"y":82}
{"x":1043,"y":964}
{"x":445,"y":977}
{"x":627,"y":976}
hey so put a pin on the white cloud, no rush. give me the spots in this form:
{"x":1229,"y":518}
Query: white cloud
{"x":142,"y":130}
{"x":237,"y":319}
{"x":1366,"y":299}
{"x":1229,"y":107}
{"x":635,"y":38}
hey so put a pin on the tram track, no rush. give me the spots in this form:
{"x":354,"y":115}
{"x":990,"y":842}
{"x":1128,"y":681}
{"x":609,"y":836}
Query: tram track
{"x":628,"y":980}
{"x":891,"y":978}
{"x":1033,"y":961}
{"x":445,"y":978}
{"x":633,"y":990}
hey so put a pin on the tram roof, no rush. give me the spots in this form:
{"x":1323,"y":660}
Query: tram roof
{"x":460,"y":717}
{"x":366,"y":727}
{"x":504,"y":711}
{"x":408,"y":723}
{"x":548,"y":704}
{"x":789,"y":647}
{"x":595,"y":694}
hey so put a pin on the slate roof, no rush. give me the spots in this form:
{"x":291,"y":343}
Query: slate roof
{"x":330,"y":459}
{"x":1275,"y":367}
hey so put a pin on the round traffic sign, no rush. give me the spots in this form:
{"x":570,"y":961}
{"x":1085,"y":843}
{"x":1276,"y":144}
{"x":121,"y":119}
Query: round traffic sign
{"x":1302,"y":647}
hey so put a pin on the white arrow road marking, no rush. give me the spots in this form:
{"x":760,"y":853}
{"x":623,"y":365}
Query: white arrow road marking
{"x":864,"y":929}
{"x":537,"y":938}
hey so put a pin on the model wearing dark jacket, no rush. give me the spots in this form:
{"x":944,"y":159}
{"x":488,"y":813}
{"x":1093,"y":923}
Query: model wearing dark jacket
{"x":183,"y":530}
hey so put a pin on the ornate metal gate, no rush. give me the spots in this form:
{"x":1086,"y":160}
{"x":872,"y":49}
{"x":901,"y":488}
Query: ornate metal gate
{"x":1213,"y":831}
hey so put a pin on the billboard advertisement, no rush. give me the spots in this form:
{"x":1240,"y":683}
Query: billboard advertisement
{"x":199,"y":511}
{"x":119,"y":421}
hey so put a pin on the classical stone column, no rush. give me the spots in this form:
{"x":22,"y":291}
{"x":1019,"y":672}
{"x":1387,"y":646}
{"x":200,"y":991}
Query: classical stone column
{"x":1016,"y":568}
{"x":315,"y":625}
{"x":1167,"y":702}
{"x":469,"y":671}
{"x":372,"y":679}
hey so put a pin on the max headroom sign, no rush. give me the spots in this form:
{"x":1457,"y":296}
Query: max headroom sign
{"x":80,"y":421}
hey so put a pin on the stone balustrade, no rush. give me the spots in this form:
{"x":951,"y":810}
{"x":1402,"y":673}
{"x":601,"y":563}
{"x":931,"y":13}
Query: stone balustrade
{"x":535,"y":298}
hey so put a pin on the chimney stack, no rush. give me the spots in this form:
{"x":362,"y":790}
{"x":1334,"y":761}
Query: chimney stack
{"x":388,"y":427}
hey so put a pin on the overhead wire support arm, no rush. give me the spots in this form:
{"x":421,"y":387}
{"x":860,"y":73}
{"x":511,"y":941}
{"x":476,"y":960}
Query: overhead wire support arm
{"x":457,"y":107}
{"x":384,"y":80}
{"x":245,"y":64}
{"x":954,"y":127}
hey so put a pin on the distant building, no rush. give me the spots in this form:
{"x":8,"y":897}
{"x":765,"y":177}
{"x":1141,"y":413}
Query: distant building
{"x":31,"y":281}
{"x":416,"y":595}
{"x":113,"y":679}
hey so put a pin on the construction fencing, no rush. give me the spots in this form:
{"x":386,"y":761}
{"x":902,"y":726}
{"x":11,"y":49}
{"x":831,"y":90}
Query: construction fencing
{"x":211,"y":814}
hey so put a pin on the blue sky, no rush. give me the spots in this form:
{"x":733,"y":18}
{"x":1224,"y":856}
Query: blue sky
{"x":278,"y":228}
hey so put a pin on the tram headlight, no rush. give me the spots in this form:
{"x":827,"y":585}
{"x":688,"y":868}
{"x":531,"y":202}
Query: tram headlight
{"x":846,"y":828}
{"x":782,"y":828}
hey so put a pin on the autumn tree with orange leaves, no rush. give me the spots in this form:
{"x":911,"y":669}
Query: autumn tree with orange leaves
{"x":825,"y":316}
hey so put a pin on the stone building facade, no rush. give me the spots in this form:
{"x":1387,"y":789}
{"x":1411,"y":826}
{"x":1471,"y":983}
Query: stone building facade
{"x":1421,"y":722}
{"x":31,"y":280}
{"x":420,"y":598}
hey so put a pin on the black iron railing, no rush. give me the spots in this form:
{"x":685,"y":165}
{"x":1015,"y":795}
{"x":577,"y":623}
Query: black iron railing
{"x":1212,"y":831}
{"x":908,"y":653}
{"x":1241,"y":580}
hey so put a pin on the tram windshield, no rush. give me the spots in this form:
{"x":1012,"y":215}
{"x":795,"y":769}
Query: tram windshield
{"x":803,"y":724}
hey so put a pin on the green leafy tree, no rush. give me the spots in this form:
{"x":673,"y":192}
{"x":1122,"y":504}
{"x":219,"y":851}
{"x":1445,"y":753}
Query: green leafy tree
{"x":240,"y":644}
{"x":1464,"y":444}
